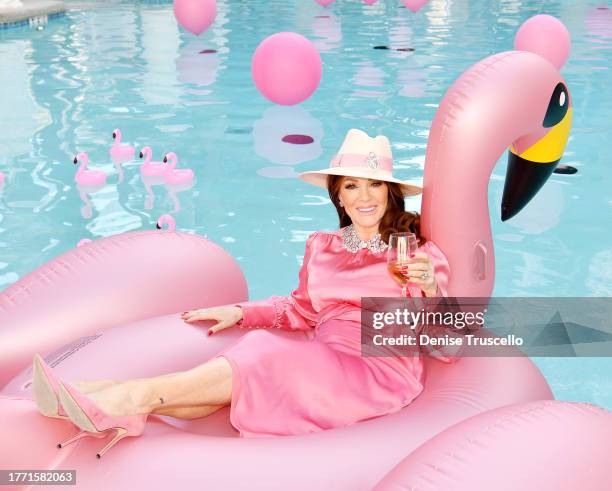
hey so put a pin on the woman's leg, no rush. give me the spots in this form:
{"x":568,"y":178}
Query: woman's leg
{"x":188,"y":412}
{"x":193,"y":393}
{"x":87,"y":386}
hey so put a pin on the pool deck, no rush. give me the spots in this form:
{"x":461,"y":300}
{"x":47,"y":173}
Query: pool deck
{"x":30,"y":9}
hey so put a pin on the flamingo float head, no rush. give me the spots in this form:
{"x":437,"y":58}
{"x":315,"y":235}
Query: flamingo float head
{"x":533,"y":157}
{"x":117,"y":135}
{"x":81,"y":157}
{"x":171,"y":158}
{"x":166,"y":220}
{"x":145,"y":151}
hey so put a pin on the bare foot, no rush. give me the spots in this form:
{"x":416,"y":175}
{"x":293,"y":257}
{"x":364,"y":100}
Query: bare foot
{"x":88,"y":386}
{"x":117,"y":399}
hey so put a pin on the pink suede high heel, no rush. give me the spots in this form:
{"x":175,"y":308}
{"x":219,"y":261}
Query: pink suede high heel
{"x":45,"y":385}
{"x":86,"y":414}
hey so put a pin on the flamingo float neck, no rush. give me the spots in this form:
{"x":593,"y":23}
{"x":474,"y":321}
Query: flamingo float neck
{"x":497,"y":102}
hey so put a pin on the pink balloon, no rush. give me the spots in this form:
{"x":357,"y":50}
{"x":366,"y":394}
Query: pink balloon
{"x":546,"y":36}
{"x":325,"y":3}
{"x":195,"y":15}
{"x":286,"y":68}
{"x":414,"y":5}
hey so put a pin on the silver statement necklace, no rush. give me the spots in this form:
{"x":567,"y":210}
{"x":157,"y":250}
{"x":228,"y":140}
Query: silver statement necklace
{"x":353,"y":243}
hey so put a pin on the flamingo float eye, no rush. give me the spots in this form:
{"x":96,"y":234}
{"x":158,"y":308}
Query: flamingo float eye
{"x":557,"y":107}
{"x":165,"y":160}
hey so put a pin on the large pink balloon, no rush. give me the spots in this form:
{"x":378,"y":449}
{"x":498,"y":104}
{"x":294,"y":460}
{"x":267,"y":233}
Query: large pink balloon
{"x":546,"y":36}
{"x":414,"y":5}
{"x":286,"y":68}
{"x":325,"y":3}
{"x":195,"y":15}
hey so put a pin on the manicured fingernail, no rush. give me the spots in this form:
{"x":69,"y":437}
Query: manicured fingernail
{"x":209,"y":332}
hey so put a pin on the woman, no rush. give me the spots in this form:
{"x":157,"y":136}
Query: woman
{"x":280,"y":384}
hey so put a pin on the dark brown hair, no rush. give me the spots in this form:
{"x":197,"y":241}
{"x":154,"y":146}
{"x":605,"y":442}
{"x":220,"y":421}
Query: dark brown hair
{"x":395,"y":219}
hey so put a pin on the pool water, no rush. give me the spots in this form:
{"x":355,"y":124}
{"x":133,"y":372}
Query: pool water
{"x":127,"y":65}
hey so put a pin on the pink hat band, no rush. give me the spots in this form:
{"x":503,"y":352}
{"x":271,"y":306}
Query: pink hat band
{"x":370,"y":161}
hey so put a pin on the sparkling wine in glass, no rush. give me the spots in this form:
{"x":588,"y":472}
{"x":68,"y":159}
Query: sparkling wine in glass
{"x":402,"y":246}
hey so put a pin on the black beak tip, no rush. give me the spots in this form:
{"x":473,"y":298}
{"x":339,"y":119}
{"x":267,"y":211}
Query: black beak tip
{"x":165,"y":160}
{"x":141,"y":155}
{"x":114,"y":135}
{"x":506,"y":213}
{"x":157,"y":226}
{"x":75,"y":160}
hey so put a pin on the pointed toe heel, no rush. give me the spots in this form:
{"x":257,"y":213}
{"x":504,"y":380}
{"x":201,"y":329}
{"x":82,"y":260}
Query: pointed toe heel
{"x":86,"y":414}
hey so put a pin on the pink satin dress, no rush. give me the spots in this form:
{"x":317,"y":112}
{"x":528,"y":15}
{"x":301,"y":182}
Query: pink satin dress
{"x":296,"y":383}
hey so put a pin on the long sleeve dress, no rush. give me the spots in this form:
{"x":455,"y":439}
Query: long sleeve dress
{"x":288,"y":384}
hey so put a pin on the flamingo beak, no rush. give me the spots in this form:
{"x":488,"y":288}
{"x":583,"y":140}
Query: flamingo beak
{"x":157,"y":226}
{"x":141,"y":155}
{"x":528,"y":171}
{"x":75,"y":161}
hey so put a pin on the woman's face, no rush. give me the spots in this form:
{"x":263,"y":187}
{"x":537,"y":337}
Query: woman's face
{"x":364,"y":200}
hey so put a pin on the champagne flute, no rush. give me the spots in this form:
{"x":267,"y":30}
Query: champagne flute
{"x":402,"y":246}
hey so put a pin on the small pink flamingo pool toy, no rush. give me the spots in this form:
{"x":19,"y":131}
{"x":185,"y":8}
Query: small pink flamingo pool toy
{"x":166,"y":220}
{"x":149,"y":167}
{"x":178,"y":176}
{"x":87,"y":177}
{"x":121,"y":151}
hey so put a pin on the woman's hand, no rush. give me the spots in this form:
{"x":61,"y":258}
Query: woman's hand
{"x":226,"y":315}
{"x":420,"y":265}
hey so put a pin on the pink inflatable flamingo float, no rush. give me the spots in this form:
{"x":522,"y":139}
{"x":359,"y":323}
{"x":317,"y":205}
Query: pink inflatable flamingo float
{"x":121,"y":152}
{"x":149,"y":167}
{"x":166,"y":220}
{"x":176,"y":176}
{"x":87,"y":177}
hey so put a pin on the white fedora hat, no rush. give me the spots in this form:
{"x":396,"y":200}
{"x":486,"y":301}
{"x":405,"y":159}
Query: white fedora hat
{"x":361,"y":156}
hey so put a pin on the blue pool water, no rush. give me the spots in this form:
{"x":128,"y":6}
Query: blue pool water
{"x":126,"y":64}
